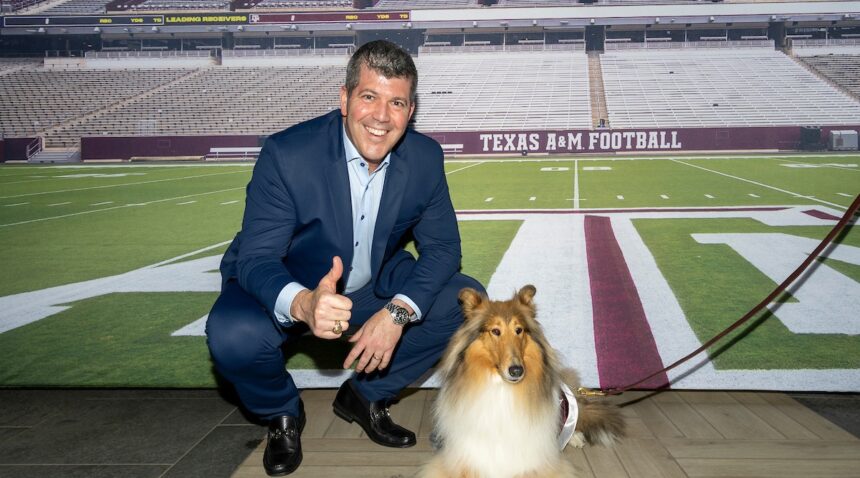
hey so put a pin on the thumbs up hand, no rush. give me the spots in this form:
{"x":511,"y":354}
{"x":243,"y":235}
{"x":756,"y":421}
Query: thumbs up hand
{"x":326,"y":312}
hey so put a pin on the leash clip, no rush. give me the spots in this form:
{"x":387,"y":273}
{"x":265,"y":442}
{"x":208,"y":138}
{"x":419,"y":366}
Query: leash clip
{"x":587,"y":392}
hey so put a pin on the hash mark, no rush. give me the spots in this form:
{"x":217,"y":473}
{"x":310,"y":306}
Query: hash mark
{"x":59,"y":204}
{"x":102,"y":203}
{"x":228,"y":202}
{"x":754,"y":195}
{"x":664,"y":196}
{"x":184,"y":203}
{"x":709,"y":196}
{"x":620,"y":197}
{"x":488,"y":200}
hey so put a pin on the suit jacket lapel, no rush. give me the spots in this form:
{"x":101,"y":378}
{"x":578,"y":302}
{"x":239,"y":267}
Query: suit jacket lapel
{"x":389,"y":206}
{"x":337,"y":178}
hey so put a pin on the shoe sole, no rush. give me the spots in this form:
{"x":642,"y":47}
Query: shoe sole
{"x":345,"y":416}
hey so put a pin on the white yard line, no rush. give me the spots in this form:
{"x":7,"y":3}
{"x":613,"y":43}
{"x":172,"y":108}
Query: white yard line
{"x":184,"y":203}
{"x":845,"y":195}
{"x":59,"y":204}
{"x":102,"y":203}
{"x":16,"y":204}
{"x":757,"y":196}
{"x":576,"y":184}
{"x":119,"y":185}
{"x":465,"y":167}
{"x":761,"y":184}
{"x":117,"y":207}
{"x":229,"y":202}
{"x":831,"y":166}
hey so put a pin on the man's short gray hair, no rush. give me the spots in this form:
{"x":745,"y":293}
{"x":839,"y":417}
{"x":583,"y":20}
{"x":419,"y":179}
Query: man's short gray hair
{"x":383,"y":57}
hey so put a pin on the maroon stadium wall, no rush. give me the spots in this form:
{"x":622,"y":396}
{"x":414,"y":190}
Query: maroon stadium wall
{"x":627,"y":140}
{"x":498,"y":142}
{"x":14,"y":149}
{"x":127,"y":147}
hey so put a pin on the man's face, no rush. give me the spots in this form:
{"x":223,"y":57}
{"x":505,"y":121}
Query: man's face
{"x":376,"y":113}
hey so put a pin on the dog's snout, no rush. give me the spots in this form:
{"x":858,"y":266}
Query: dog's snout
{"x":516,"y":371}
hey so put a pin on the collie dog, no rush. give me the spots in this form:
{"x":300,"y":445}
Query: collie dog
{"x":498,"y":411}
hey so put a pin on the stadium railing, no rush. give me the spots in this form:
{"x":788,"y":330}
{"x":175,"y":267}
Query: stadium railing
{"x":664,"y":45}
{"x":502,"y":48}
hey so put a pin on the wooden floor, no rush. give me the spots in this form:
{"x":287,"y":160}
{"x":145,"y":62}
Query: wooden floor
{"x":670,"y":434}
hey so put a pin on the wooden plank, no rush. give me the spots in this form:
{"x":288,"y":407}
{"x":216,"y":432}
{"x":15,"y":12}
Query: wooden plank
{"x":765,"y":449}
{"x":654,"y":419}
{"x":775,"y":417}
{"x":576,"y":456}
{"x":813,"y":422}
{"x":648,"y":458}
{"x":685,"y":417}
{"x":731,"y":467}
{"x":730,"y":418}
{"x":319,"y":418}
{"x":604,"y":462}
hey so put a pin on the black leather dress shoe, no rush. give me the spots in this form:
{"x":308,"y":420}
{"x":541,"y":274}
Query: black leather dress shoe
{"x":373,"y":417}
{"x":284,"y":447}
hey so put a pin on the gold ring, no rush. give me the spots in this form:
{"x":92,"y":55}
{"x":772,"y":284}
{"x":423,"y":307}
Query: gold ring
{"x":338,"y":328}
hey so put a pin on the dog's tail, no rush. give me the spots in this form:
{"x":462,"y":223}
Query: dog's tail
{"x":601,"y":423}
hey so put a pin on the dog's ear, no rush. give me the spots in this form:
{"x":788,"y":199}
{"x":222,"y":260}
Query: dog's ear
{"x":471,"y":300}
{"x":526,"y":294}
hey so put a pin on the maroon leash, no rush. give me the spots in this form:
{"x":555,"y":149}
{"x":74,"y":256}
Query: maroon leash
{"x":846,"y":218}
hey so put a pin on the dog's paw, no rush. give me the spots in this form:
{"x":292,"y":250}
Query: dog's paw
{"x":577,"y":440}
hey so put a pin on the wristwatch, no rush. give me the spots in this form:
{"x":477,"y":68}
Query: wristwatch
{"x":400,"y":315}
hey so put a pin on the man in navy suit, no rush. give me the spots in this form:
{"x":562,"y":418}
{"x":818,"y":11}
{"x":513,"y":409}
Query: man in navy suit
{"x":329,"y":208}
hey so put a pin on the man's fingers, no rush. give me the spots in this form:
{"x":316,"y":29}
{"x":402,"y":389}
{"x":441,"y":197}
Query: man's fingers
{"x":329,"y":281}
{"x":353,"y":354}
{"x":386,"y":358}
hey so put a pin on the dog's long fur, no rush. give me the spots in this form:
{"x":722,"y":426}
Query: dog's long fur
{"x":497,"y":413}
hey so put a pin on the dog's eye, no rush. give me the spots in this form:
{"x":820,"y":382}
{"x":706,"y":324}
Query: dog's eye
{"x":496,"y":332}
{"x":519,"y":330}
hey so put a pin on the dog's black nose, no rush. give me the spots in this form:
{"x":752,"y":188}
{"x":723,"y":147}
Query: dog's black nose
{"x":516,"y":371}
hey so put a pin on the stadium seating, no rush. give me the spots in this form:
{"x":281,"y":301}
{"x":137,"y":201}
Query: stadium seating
{"x":300,"y":4}
{"x":77,"y":7}
{"x":162,"y":5}
{"x":246,"y":100}
{"x":837,"y":60}
{"x":35,"y":100}
{"x":718,"y":87}
{"x":419,"y":4}
{"x":522,"y":90}
{"x":844,"y":70}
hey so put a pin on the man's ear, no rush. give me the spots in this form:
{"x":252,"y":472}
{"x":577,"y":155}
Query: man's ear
{"x":526,"y":295}
{"x":471,"y":300}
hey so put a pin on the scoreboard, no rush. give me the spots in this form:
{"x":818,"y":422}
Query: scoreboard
{"x":212,"y":18}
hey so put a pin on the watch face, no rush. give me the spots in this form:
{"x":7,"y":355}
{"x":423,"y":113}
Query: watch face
{"x":399,"y":314}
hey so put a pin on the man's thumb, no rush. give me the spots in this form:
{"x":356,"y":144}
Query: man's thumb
{"x":329,"y":281}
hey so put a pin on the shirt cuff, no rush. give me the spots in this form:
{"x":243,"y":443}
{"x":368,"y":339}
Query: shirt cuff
{"x":285,"y":302}
{"x":411,"y":304}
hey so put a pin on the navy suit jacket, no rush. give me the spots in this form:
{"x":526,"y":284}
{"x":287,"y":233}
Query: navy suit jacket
{"x":298,"y":215}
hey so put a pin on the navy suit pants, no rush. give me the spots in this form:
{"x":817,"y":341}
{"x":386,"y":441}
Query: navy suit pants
{"x":245,"y":343}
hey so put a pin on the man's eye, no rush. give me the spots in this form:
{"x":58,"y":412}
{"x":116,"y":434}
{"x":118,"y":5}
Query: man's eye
{"x":368,"y":97}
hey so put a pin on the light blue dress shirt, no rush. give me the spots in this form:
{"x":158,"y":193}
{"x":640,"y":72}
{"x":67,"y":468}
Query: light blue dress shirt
{"x":366,"y":193}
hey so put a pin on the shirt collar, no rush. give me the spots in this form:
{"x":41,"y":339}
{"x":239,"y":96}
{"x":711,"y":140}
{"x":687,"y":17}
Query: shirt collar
{"x":353,"y":154}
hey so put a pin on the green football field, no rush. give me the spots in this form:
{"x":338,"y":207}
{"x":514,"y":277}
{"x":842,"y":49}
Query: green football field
{"x":83,"y":246}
